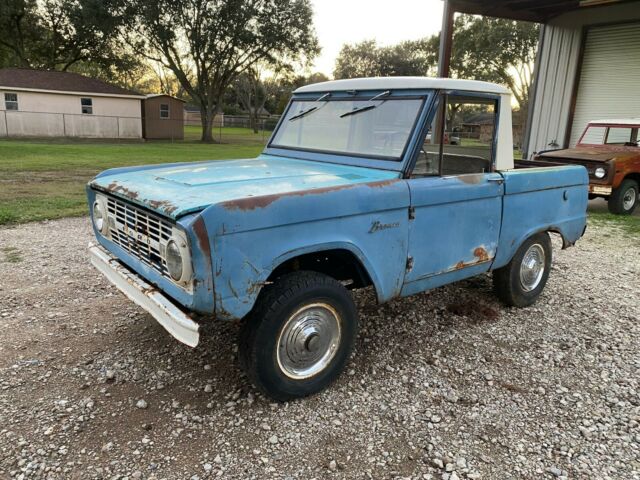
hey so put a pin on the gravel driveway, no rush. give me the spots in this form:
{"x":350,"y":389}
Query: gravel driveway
{"x":444,"y":385}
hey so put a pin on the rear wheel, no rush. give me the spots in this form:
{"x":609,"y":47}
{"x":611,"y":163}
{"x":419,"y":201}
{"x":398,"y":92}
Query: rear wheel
{"x":299,"y":336}
{"x":624,"y":199}
{"x":521,"y":282}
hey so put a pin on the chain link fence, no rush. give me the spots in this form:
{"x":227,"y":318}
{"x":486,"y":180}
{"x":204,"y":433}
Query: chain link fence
{"x":105,"y":128}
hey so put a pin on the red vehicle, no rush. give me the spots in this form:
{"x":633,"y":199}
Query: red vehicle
{"x":610,"y":151}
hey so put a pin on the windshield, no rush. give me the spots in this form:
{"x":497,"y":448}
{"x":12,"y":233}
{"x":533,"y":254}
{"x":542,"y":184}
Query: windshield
{"x":367,"y":127}
{"x":610,"y":135}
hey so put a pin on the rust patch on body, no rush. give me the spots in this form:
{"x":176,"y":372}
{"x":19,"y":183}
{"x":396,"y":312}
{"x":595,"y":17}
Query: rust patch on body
{"x":255,"y":288}
{"x":253,"y":203}
{"x":481,"y":257}
{"x":202,"y":240}
{"x":481,"y":254}
{"x":202,"y":237}
{"x":114,"y":187}
{"x":473,"y":179}
{"x":164,"y":205}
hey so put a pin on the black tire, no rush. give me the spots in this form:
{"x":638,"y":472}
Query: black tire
{"x":507,"y":282}
{"x":619,"y":200}
{"x":267,"y":365}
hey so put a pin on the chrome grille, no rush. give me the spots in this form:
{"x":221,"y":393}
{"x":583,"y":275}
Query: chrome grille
{"x":140,"y":233}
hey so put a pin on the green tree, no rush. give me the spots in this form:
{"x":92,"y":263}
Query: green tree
{"x":489,"y":49}
{"x":253,"y":91}
{"x":63,"y":35}
{"x":286,"y":84}
{"x":494,"y":50}
{"x":368,"y":59}
{"x":207,"y":44}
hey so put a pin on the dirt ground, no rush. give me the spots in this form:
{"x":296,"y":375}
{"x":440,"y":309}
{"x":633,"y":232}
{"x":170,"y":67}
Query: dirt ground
{"x":444,"y":385}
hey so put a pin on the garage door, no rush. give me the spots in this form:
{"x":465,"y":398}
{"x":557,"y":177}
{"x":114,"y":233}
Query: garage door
{"x":610,"y":81}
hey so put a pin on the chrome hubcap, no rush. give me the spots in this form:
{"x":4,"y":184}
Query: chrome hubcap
{"x":629,"y":199}
{"x":308,"y":341}
{"x":532,"y":268}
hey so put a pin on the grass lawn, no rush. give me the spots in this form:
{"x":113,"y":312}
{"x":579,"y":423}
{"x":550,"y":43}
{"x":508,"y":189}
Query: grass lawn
{"x":628,"y":223}
{"x":45,"y":179}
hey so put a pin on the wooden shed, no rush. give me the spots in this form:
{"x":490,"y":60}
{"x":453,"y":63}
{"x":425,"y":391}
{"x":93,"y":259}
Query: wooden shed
{"x":163,"y":117}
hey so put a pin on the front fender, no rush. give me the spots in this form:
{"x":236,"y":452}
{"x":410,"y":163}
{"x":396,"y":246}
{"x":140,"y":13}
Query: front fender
{"x":251,"y":243}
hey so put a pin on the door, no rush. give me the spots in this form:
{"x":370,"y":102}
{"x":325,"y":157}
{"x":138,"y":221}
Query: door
{"x":608,"y":85}
{"x":456,"y":196}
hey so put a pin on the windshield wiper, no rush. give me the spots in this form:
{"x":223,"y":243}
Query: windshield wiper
{"x":311,"y":109}
{"x":367,"y":107}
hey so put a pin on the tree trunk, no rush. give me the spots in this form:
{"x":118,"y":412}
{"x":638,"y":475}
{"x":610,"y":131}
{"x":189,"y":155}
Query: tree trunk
{"x":207,"y":115}
{"x":254,"y":120}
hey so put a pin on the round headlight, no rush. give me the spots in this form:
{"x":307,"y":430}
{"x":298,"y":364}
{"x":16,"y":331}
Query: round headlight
{"x":98,"y":217}
{"x":174,"y":260}
{"x":600,"y":172}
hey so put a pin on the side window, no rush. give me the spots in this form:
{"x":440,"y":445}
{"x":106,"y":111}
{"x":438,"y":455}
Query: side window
{"x":619,"y":136}
{"x":461,"y":139}
{"x":11,"y":101}
{"x":164,"y":110}
{"x":87,"y":105}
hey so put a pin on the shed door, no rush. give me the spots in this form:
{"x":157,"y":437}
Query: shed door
{"x":610,"y":79}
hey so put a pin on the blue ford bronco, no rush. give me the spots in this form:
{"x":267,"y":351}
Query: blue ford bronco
{"x":358,"y":186}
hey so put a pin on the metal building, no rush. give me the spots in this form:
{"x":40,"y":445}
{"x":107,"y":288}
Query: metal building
{"x":588,"y":64}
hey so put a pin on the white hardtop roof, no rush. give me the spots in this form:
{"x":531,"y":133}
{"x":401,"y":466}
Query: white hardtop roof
{"x":404,"y":83}
{"x":616,"y":121}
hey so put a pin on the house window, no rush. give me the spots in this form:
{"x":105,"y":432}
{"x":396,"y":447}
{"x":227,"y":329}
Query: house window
{"x":164,"y":110}
{"x":87,"y":105}
{"x":11,"y":101}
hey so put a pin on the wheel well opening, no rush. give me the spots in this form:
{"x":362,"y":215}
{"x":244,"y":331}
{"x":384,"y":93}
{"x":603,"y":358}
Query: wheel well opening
{"x":340,"y":264}
{"x":633,"y":176}
{"x":554,"y":232}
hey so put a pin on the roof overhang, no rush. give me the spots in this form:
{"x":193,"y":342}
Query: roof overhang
{"x":540,"y":11}
{"x":158,"y":95}
{"x":403,"y":83}
{"x":78,"y":94}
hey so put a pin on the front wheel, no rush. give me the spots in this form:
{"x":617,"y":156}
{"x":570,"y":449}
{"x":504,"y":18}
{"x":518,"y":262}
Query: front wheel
{"x":299,"y":336}
{"x":624,"y":199}
{"x":522,"y":280}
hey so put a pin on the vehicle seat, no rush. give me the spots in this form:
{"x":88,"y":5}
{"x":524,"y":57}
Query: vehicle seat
{"x":456,"y":164}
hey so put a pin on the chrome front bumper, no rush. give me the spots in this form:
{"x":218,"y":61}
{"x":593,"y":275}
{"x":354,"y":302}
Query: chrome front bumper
{"x":600,"y":190}
{"x":174,"y":320}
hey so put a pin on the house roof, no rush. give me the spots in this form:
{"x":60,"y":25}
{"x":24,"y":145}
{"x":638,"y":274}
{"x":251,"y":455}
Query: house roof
{"x":62,"y":82}
{"x":404,"y":83}
{"x":529,"y":10}
{"x":156,"y":95}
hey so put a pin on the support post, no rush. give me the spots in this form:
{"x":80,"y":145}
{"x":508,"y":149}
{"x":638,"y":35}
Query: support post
{"x":446,"y":40}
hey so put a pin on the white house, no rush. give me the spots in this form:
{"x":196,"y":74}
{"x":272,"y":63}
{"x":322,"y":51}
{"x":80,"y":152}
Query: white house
{"x":36,"y":103}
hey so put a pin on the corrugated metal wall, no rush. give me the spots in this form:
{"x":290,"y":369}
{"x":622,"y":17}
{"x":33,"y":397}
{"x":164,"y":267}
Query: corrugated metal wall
{"x":610,"y":79}
{"x":557,"y":71}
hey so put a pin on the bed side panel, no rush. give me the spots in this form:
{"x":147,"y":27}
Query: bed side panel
{"x":540,"y":200}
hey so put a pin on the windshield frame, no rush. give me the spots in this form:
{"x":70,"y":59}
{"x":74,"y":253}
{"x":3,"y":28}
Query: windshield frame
{"x":349,"y":158}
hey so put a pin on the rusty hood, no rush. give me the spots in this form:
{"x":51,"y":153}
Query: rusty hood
{"x":179,"y":189}
{"x":580,"y":154}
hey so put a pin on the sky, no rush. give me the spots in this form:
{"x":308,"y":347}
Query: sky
{"x":348,"y":21}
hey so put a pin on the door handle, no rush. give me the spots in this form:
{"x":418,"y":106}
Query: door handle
{"x":499,"y":181}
